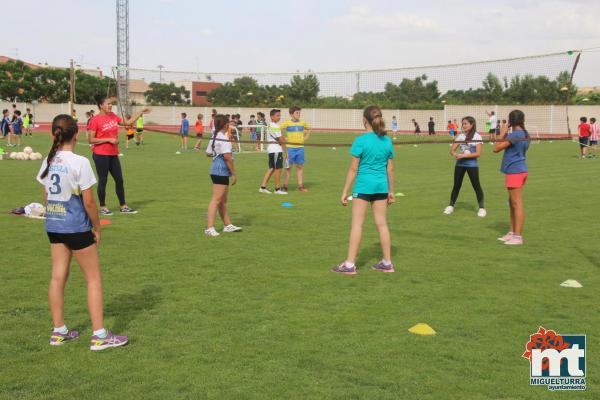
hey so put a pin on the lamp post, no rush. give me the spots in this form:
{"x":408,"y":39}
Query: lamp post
{"x":160,"y":68}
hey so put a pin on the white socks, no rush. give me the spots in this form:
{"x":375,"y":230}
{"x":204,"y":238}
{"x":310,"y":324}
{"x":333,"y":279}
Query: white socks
{"x":61,"y":329}
{"x":101,"y":333}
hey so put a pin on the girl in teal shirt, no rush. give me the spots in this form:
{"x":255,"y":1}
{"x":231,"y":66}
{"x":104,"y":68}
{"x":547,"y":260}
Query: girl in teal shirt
{"x":372,"y":172}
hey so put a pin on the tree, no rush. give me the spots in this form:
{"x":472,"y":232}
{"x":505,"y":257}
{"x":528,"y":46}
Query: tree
{"x":303,"y":89}
{"x":17,"y":80}
{"x":167,"y":94}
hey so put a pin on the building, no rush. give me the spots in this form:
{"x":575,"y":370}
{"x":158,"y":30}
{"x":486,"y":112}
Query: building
{"x":588,"y":90}
{"x":200,"y":91}
{"x":137,"y":91}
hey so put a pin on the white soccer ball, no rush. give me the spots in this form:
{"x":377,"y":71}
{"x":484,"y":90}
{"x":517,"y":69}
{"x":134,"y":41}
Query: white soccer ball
{"x":20,"y":155}
{"x":13,"y":155}
{"x":38,"y":156}
{"x":177,"y":152}
{"x":27,"y":150}
{"x":333,"y":148}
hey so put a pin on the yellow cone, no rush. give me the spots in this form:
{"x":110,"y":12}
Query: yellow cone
{"x":422,"y":329}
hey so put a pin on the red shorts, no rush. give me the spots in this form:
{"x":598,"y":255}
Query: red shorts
{"x":516,"y":181}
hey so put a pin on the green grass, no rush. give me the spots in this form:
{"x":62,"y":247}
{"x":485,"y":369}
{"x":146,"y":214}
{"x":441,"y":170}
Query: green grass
{"x":258,"y":315}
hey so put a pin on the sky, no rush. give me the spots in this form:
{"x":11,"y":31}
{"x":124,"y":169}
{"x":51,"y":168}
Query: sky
{"x":317,"y":35}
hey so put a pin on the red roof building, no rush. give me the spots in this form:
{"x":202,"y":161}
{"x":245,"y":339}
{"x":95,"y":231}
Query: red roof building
{"x":200,"y":91}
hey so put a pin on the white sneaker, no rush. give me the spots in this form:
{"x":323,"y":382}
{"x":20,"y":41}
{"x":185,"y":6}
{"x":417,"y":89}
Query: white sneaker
{"x":280,"y":191}
{"x":266,"y":191}
{"x":481,"y":213}
{"x":448,"y":210}
{"x":232,"y":228}
{"x":211,"y":232}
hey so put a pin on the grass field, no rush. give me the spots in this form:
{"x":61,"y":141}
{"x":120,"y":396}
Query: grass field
{"x":258,"y":315}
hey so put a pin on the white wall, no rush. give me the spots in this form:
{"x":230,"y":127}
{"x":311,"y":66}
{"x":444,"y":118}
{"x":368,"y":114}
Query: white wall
{"x":544,"y":119}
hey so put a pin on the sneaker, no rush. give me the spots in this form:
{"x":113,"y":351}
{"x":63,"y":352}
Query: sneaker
{"x":303,"y":189}
{"x":284,"y":188}
{"x":515,"y":240}
{"x":380,"y":266}
{"x":343,"y":269}
{"x":211,"y":232}
{"x":105,"y":211}
{"x":265,"y":191}
{"x":58,"y":339}
{"x":506,"y":237}
{"x":128,"y":210}
{"x":111,"y":340}
{"x":448,"y":210}
{"x":481,"y":212}
{"x":280,"y":191}
{"x":232,"y":228}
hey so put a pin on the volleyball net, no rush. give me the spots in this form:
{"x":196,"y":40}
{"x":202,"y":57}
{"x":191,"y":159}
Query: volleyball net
{"x":411,"y":98}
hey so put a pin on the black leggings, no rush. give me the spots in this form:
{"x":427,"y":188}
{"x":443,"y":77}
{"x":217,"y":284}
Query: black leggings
{"x":104,"y":165}
{"x":459,"y":174}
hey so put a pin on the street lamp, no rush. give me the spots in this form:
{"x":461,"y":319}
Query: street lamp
{"x":160,"y":68}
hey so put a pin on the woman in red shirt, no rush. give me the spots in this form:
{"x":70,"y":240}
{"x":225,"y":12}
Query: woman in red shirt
{"x":103,"y":131}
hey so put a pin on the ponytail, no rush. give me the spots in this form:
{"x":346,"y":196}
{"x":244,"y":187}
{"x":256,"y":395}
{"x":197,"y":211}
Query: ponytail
{"x":373,"y":116}
{"x":220,"y":121}
{"x":517,"y":118}
{"x":64,"y":128}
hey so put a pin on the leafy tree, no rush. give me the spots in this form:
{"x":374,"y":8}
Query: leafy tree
{"x":303,"y":89}
{"x":167,"y":94}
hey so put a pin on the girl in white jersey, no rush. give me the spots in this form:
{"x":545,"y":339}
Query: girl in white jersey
{"x":73,"y":227}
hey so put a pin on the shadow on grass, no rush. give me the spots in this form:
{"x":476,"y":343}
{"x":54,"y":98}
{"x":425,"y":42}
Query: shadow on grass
{"x":127,"y":307}
{"x":371,"y":253}
{"x":591,"y":257}
{"x":499,"y":227}
{"x":142,"y":203}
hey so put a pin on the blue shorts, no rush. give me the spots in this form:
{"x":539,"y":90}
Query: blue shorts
{"x":184,"y":133}
{"x":296,"y":155}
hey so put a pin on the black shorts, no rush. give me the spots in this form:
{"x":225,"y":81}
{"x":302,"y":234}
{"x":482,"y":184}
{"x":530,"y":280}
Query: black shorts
{"x":129,"y":137}
{"x":139,"y":130}
{"x":199,"y":135}
{"x":275,"y":160}
{"x":583,"y":141}
{"x":74,"y":241}
{"x":220,"y":180}
{"x":370,"y":197}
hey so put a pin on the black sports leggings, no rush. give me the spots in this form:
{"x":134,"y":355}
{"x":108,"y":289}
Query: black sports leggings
{"x":104,"y":165}
{"x":459,"y":174}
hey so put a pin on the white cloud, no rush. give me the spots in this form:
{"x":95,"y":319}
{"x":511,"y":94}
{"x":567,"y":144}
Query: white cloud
{"x":364,"y":17}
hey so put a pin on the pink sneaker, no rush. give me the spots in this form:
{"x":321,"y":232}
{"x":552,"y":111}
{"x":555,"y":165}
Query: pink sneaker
{"x":515,"y":240}
{"x":506,"y":237}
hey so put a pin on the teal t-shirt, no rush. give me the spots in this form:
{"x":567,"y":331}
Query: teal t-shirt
{"x":374,"y":151}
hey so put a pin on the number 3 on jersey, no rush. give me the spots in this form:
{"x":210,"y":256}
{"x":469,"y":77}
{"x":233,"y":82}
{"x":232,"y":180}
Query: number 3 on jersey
{"x":55,"y":188}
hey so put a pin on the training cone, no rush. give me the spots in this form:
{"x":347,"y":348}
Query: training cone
{"x":400,"y":194}
{"x":571,"y":283}
{"x":105,"y":222}
{"x":349,"y":198}
{"x":286,"y":204}
{"x":422,"y":329}
{"x":415,"y":145}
